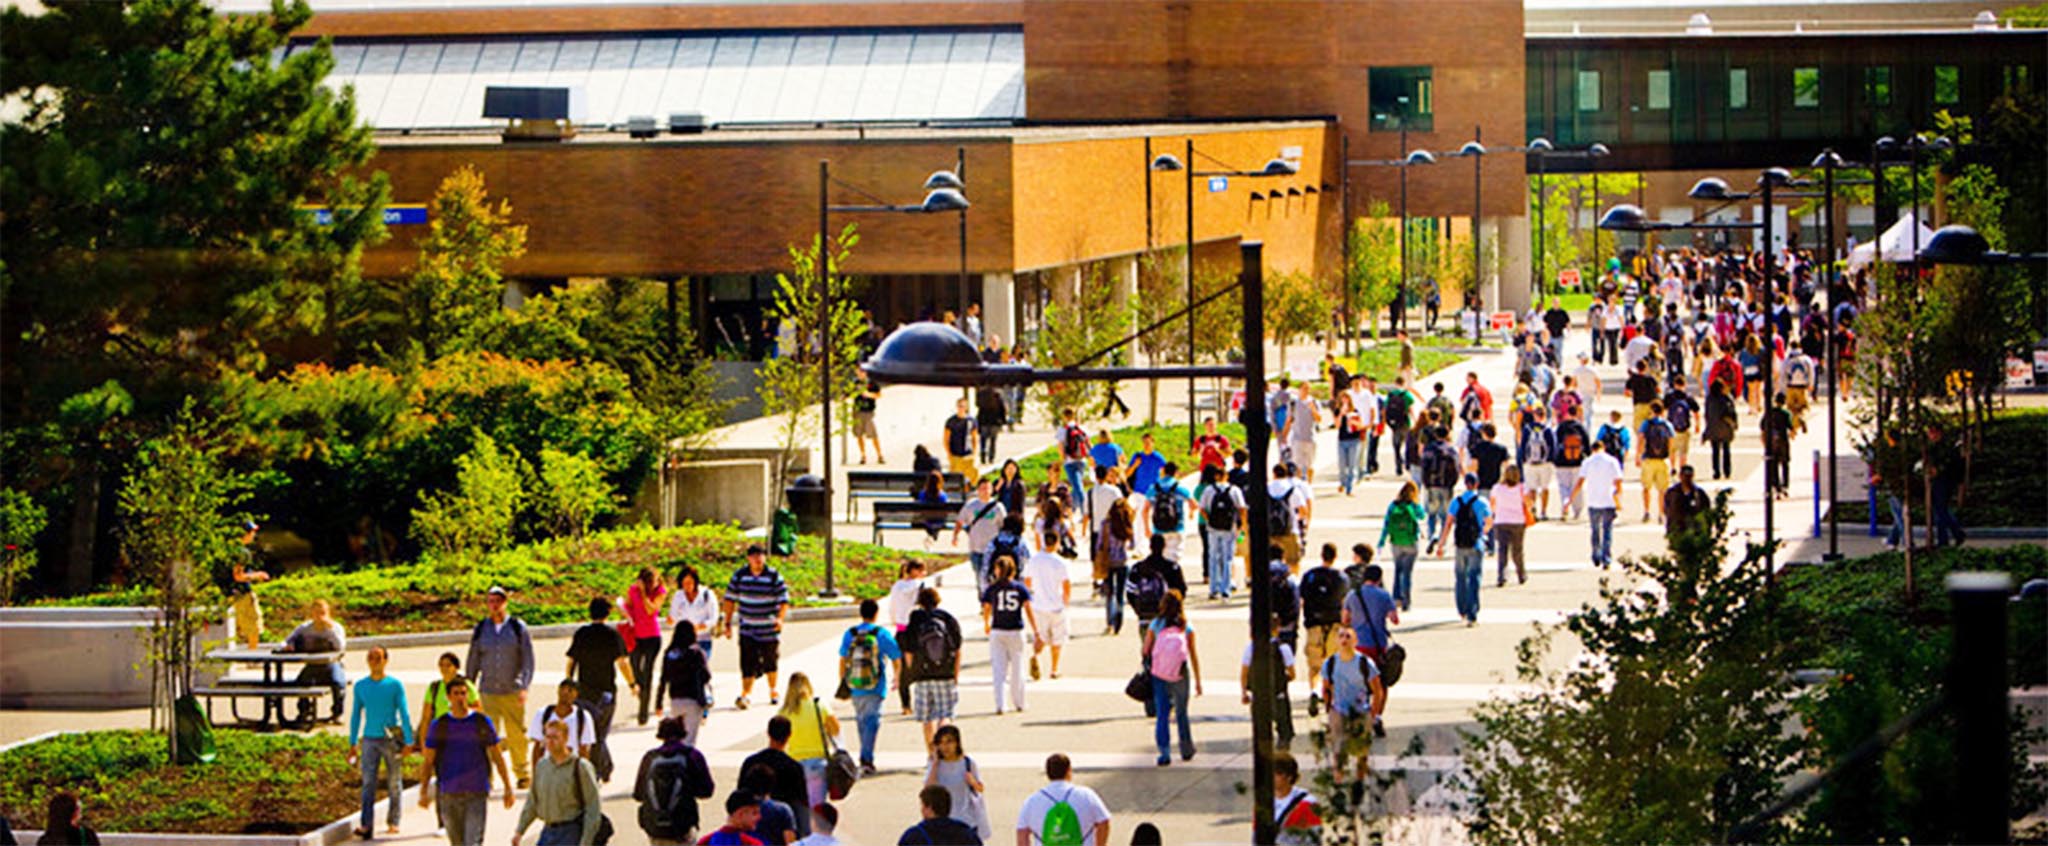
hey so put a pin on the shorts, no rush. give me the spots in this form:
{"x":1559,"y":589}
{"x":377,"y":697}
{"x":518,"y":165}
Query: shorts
{"x":864,"y":425}
{"x":1354,"y":733}
{"x":1304,"y":454}
{"x":963,"y":465}
{"x":1290,"y":550}
{"x":1539,"y":477}
{"x":934,"y":699}
{"x":1052,"y":627}
{"x":1656,"y":475}
{"x":757,"y":657}
{"x":1322,"y":642}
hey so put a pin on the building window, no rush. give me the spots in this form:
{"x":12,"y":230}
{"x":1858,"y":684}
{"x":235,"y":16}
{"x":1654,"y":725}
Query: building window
{"x":1660,"y":89}
{"x":1948,"y":85}
{"x":1589,"y":91}
{"x":1402,"y":98}
{"x":1877,"y":85}
{"x":2018,"y":79}
{"x":1738,"y":88}
{"x":1806,"y":88}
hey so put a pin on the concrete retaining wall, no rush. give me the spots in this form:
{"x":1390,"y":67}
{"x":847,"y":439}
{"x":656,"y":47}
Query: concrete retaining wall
{"x":82,"y":657}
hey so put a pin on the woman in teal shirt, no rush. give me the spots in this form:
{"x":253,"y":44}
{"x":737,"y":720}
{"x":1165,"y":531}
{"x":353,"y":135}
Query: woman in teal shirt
{"x":1403,"y":527}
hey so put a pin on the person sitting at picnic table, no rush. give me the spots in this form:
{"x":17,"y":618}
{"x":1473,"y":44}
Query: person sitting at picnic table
{"x":321,"y":633}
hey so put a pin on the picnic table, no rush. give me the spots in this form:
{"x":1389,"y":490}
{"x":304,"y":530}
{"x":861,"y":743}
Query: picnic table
{"x":273,"y":688}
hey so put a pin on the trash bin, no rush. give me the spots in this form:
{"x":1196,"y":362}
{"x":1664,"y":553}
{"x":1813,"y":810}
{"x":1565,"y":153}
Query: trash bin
{"x":807,"y":497}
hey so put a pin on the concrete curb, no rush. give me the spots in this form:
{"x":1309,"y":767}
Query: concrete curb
{"x":845,"y":610}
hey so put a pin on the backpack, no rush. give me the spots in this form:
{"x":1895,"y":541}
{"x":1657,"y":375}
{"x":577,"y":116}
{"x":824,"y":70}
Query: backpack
{"x":1061,"y":826}
{"x":1077,"y":442}
{"x":1280,"y":514}
{"x":1563,"y":403}
{"x":1465,"y":523}
{"x":1169,"y":656}
{"x":1147,"y":590}
{"x":1680,"y":413}
{"x":1322,"y":596}
{"x":1571,"y":446}
{"x":669,"y":812}
{"x":1166,"y":507}
{"x":1397,"y":408}
{"x":935,"y":645}
{"x":1221,"y":514}
{"x":863,"y":659}
{"x":1439,"y":467}
{"x":1007,"y":544}
{"x":1535,"y":446}
{"x":1470,"y":408}
{"x":1610,"y":439}
{"x":1656,"y":439}
{"x":1286,"y":605}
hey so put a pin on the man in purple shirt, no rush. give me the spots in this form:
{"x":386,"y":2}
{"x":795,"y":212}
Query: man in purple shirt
{"x":461,"y":750}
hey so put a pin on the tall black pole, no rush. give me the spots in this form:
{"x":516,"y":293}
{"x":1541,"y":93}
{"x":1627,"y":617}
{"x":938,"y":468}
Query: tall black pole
{"x":1536,"y":275}
{"x":1401,"y":291}
{"x":1977,"y":695}
{"x":1834,"y":378}
{"x":1188,"y":269}
{"x":1344,"y":232}
{"x":824,"y":271}
{"x":1770,"y":390}
{"x":960,"y":171}
{"x":1256,"y":558}
{"x":1472,"y":301}
{"x":1599,"y":269}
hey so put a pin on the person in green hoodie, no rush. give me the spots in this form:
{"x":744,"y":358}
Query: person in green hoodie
{"x":1403,"y":528}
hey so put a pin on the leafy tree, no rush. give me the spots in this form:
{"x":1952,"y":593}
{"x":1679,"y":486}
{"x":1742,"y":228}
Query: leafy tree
{"x":21,"y":520}
{"x":572,"y":492}
{"x":1374,"y":275}
{"x":1079,"y":322}
{"x":790,"y":381}
{"x":456,"y":290}
{"x":478,"y":515}
{"x":155,"y":177}
{"x":1162,"y":291}
{"x":1297,"y":304}
{"x":179,"y":519}
{"x":1682,"y":676}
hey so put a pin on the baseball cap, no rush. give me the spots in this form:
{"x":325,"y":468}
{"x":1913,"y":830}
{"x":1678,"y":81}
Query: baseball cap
{"x":498,"y":590}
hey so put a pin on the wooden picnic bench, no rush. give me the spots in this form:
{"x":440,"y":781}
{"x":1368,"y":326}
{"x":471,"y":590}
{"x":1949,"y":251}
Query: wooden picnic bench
{"x":273,"y":688}
{"x":909,"y":514}
{"x":892,"y":484}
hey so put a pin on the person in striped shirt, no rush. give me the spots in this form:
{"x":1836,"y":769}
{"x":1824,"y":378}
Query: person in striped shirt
{"x":760,"y":599}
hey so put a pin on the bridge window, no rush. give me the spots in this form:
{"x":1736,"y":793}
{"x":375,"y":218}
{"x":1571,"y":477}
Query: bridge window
{"x":1948,"y":85}
{"x":1806,"y":88}
{"x":1877,"y":85}
{"x":1402,"y":98}
{"x":1738,"y":88}
{"x":1589,"y":91}
{"x":2018,"y":79}
{"x":1660,"y":90}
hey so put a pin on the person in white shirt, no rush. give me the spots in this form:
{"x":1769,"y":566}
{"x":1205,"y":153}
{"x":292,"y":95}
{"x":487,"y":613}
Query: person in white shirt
{"x":1088,"y":807}
{"x":693,"y":603}
{"x":1588,"y":382}
{"x":580,"y":723}
{"x":1297,"y":818}
{"x":1045,"y":575}
{"x":1637,"y":350}
{"x":1600,"y":480}
{"x":1103,"y":496}
{"x":902,"y":601}
{"x":1285,"y":488}
{"x":1365,"y":397}
{"x":1301,"y":432}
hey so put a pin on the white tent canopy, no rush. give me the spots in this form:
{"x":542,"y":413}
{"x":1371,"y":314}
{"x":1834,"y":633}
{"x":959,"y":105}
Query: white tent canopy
{"x":1896,"y":243}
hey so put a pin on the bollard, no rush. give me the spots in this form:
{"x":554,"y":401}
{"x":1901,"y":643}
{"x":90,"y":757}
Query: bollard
{"x":1816,"y":494}
{"x":1977,"y":698}
{"x":1872,"y":492}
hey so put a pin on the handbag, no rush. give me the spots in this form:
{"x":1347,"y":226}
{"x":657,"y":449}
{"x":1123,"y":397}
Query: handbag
{"x":604,"y":823}
{"x":1140,"y":686}
{"x":844,"y":691}
{"x":840,"y":770}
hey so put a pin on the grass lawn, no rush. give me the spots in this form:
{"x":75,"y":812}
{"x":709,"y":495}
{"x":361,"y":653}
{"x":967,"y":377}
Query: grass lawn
{"x":2004,"y":487}
{"x":261,"y":783}
{"x":1834,"y":601}
{"x":551,"y":582}
{"x":1171,"y":439}
{"x":1383,"y":362}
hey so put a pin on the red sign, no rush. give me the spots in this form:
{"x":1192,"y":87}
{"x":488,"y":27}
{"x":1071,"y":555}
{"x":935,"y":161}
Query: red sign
{"x":1501,"y":320}
{"x":1568,"y":278}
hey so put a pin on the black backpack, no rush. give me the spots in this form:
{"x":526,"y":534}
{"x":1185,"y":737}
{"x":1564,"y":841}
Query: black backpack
{"x":1439,"y":466}
{"x":1286,"y":605}
{"x":1010,"y":545}
{"x":935,"y":646}
{"x":1146,"y":591}
{"x":1397,"y":408}
{"x":1465,"y":522}
{"x":1322,"y":596}
{"x":1656,"y":439}
{"x":1221,"y":514}
{"x":1166,"y":507}
{"x":1280,"y":514}
{"x":670,"y":812}
{"x":1610,"y":440}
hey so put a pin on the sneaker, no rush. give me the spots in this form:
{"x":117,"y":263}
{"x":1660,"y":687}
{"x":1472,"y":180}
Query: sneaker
{"x":773,"y":698}
{"x":741,"y":703}
{"x":1379,"y":729}
{"x":1034,"y":668}
{"x":1315,"y":706}
{"x":1163,"y":761}
{"x":867,"y":768}
{"x":525,"y":783}
{"x":1187,"y":754}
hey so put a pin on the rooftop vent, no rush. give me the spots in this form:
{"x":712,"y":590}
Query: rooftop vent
{"x":641,"y":126}
{"x":1985,"y":22}
{"x":686,"y":123}
{"x":1699,"y":24}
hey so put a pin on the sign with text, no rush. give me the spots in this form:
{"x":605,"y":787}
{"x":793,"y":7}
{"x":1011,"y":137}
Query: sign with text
{"x":407,"y":215}
{"x":1568,"y":278}
{"x":1501,"y":320}
{"x":1219,"y":184}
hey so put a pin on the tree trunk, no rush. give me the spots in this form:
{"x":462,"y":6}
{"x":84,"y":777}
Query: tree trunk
{"x":1152,"y":415}
{"x":85,"y":525}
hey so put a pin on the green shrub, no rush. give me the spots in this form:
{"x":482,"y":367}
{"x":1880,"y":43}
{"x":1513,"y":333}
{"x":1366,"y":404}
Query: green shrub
{"x":21,"y":520}
{"x":478,"y":515}
{"x":572,"y":492}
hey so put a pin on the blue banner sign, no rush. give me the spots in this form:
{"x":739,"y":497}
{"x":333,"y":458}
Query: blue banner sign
{"x":1219,"y":184}
{"x":408,"y":215}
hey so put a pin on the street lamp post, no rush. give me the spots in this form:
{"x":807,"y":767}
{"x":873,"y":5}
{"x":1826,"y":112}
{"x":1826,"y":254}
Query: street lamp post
{"x":1476,"y":152}
{"x":946,"y":197}
{"x":1543,"y":151}
{"x":1407,"y":160}
{"x":1167,"y":162}
{"x":940,"y":355}
{"x":1828,"y":162}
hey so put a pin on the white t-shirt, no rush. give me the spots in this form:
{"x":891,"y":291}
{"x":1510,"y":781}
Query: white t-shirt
{"x":701,"y":612}
{"x":821,"y":839}
{"x":1087,"y":806}
{"x":1043,"y":575}
{"x":1507,"y":505}
{"x":1638,"y":349}
{"x":903,"y":600}
{"x":1589,"y":382}
{"x":581,"y":723}
{"x":1367,"y":403}
{"x":1101,"y":499}
{"x":1599,"y":474}
{"x":1286,"y":655}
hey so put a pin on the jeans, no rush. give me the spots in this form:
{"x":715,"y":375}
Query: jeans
{"x":978,"y":561}
{"x":331,"y":675}
{"x":1437,"y":503}
{"x":1898,"y":520}
{"x":867,"y":716}
{"x":1113,"y":598}
{"x":1471,"y":561}
{"x":462,"y":815}
{"x":1724,"y":462}
{"x":373,"y":751}
{"x":988,"y":443}
{"x":1946,"y":526}
{"x":1076,"y":471}
{"x":1507,"y":543}
{"x":1613,"y":346}
{"x":1170,"y":702}
{"x":1006,"y":665}
{"x":1557,"y":348}
{"x":1221,"y":549}
{"x":1602,"y":520}
{"x":561,"y":834}
{"x":1372,"y":454}
{"x":645,"y":651}
{"x":1400,"y":434}
{"x":1347,"y":463}
{"x":601,"y":711}
{"x":1404,"y":574}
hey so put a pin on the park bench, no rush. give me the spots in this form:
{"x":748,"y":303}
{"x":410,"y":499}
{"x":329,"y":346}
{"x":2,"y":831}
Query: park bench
{"x":273,"y":695}
{"x":891,"y":484}
{"x":907,"y":514}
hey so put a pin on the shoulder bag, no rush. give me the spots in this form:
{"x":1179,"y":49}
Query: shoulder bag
{"x":840,"y":770}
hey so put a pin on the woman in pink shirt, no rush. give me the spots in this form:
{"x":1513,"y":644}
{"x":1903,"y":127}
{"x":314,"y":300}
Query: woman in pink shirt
{"x":643,"y":613}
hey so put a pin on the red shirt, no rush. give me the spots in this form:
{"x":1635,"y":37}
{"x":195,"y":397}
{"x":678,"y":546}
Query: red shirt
{"x":1214,"y":451}
{"x":729,"y":836}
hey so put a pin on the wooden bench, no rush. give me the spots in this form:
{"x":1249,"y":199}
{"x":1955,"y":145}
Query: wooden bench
{"x":273,"y":696}
{"x":908,"y":514}
{"x":891,"y":484}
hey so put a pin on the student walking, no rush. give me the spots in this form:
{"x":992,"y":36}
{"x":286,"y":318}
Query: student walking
{"x":813,"y":733}
{"x":564,"y":797}
{"x":1005,"y":610}
{"x":671,"y":779}
{"x":867,"y":654}
{"x":1720,"y":429}
{"x":1356,"y":697}
{"x":1600,"y":480}
{"x":1223,"y":511}
{"x":1323,"y":589}
{"x":643,"y":610}
{"x":1172,"y":660}
{"x":934,"y":646}
{"x":501,"y":667}
{"x":686,"y":681}
{"x":1574,"y":444}
{"x":594,"y":652}
{"x":1471,"y":518}
{"x":571,"y":713}
{"x":760,"y":599}
{"x":1509,"y":502}
{"x":902,"y":602}
{"x":1401,"y":532}
{"x":1166,"y":507}
{"x":1151,"y":578}
{"x":981,"y":517}
{"x":961,"y":441}
{"x":1653,"y":459}
{"x":1045,"y":576}
{"x":462,"y":749}
{"x":950,"y":769}
{"x":1062,"y":811}
{"x":742,"y":814}
{"x":936,"y":825}
{"x":379,"y":734}
{"x":1536,"y":451}
{"x":691,"y":602}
